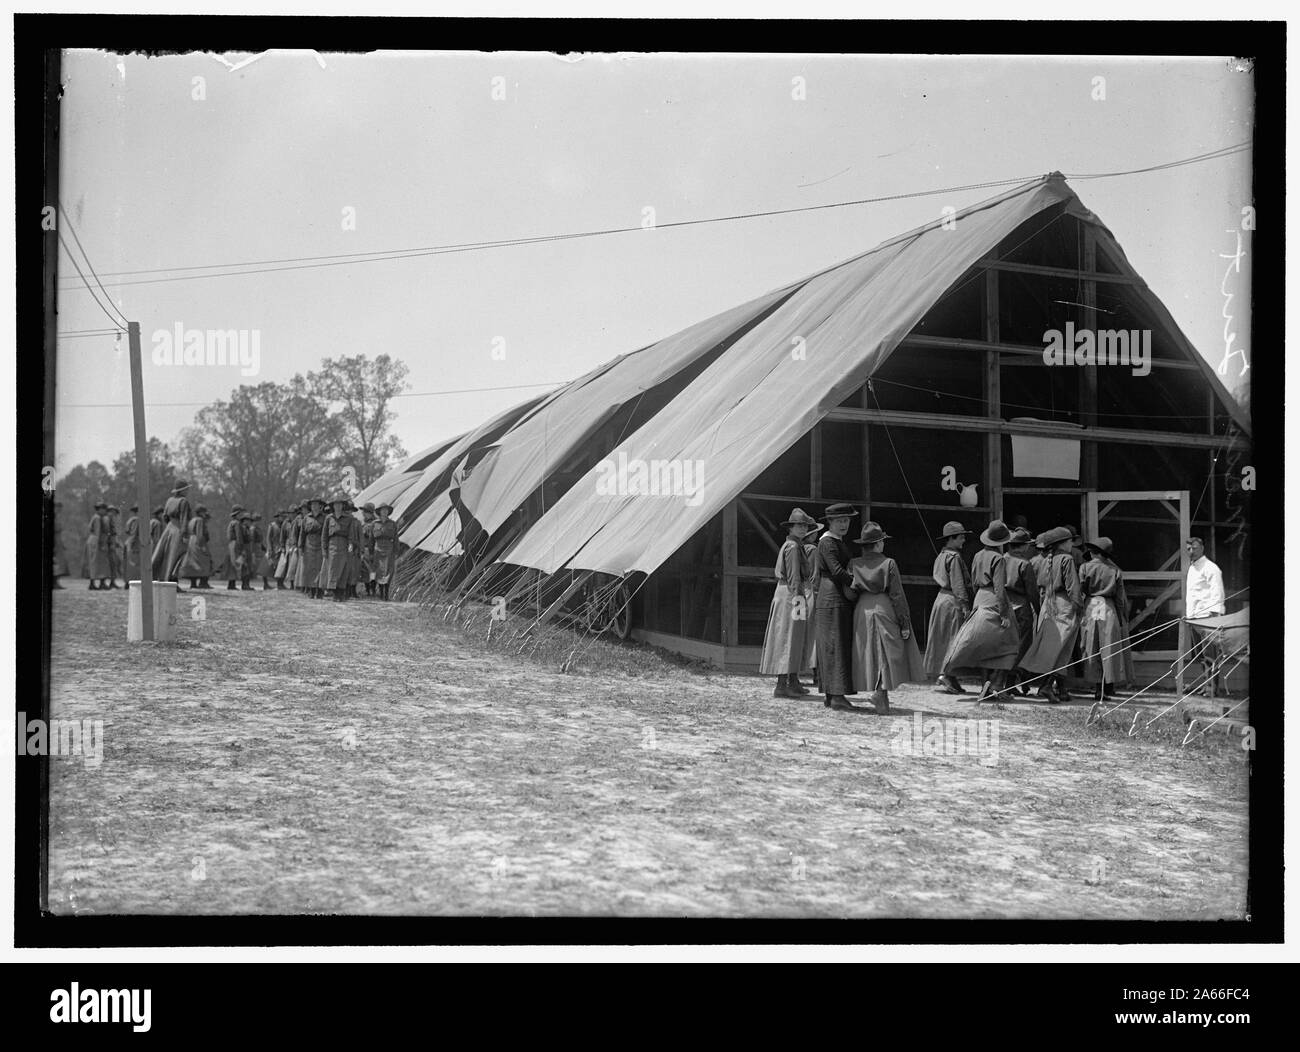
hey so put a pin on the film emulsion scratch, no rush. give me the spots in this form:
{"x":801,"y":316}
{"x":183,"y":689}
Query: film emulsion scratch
{"x":710,"y":486}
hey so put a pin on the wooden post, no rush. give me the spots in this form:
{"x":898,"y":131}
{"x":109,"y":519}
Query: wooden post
{"x":1088,"y":376}
{"x":992,"y":396}
{"x":141,"y":481}
{"x":730,"y":592}
{"x":1184,"y":531}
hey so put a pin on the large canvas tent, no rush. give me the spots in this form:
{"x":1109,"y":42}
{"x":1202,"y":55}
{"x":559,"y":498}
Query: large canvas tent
{"x":883,"y":380}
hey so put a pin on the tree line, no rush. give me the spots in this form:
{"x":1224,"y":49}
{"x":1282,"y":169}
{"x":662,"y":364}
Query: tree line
{"x":269,"y":445}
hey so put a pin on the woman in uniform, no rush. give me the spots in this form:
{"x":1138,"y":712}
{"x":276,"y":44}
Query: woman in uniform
{"x":197,"y":565}
{"x":96,"y":559}
{"x":884,"y":652}
{"x":384,"y":532}
{"x":833,"y":614}
{"x":1057,"y":628}
{"x":989,"y":640}
{"x":952,"y":606}
{"x":1104,"y":653}
{"x":131,"y":547}
{"x":310,"y":554}
{"x":787,"y":618}
{"x":337,"y":543}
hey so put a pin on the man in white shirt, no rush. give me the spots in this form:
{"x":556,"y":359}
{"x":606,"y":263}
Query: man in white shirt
{"x":1205,"y":599}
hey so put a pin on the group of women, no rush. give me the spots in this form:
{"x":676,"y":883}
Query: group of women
{"x":304,"y":547}
{"x":1026,"y":610}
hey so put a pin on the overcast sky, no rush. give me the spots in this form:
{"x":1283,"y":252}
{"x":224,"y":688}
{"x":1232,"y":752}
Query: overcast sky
{"x":264,"y":165}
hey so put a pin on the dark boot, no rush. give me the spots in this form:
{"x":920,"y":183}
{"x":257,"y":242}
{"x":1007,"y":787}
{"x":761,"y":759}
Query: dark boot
{"x":94,"y":587}
{"x":246,"y":585}
{"x":279,"y":584}
{"x":841,"y":704}
{"x":230,"y":585}
{"x":949,"y":685}
{"x":783,"y":688}
{"x":203,"y":584}
{"x":112,"y":584}
{"x":880,"y":699}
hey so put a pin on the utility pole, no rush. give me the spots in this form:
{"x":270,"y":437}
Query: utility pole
{"x":141,"y":482}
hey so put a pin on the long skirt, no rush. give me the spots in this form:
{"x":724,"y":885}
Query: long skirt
{"x":982,"y":642}
{"x":131,"y":562}
{"x":385,"y":562}
{"x":291,"y":567}
{"x":945,"y":622}
{"x":1024,"y":614}
{"x":787,"y":630}
{"x":1101,"y":638}
{"x":335,"y":573}
{"x":809,"y":658}
{"x":1055,"y":634}
{"x":197,"y":561}
{"x":114,"y":561}
{"x":98,"y":564}
{"x":882,"y":658}
{"x":236,"y":565}
{"x":168,"y":552}
{"x":310,"y":560}
{"x":833,"y":625}
{"x":264,"y":565}
{"x":282,"y":566}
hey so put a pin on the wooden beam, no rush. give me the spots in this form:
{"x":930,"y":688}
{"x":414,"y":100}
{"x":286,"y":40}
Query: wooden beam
{"x":992,"y":393}
{"x":1090,"y":273}
{"x":815,"y":467}
{"x":1088,"y":466}
{"x":764,"y":530}
{"x":1015,"y":354}
{"x":730,"y":595}
{"x":954,"y":422}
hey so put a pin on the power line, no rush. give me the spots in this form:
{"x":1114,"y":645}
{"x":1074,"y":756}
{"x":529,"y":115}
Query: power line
{"x":347,"y":259}
{"x":89,"y":266}
{"x":84,"y":281}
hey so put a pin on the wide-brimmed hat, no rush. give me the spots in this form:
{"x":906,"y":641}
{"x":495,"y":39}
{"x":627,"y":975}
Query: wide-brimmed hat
{"x":872,"y":532}
{"x":996,"y":535}
{"x":114,"y":508}
{"x":180,"y":486}
{"x":134,"y":507}
{"x":157,"y":511}
{"x":1020,"y":535}
{"x":368,"y":506}
{"x":1075,"y":535}
{"x":315,"y":500}
{"x":1055,"y":535}
{"x":952,"y":529}
{"x":257,"y":515}
{"x":235,"y":509}
{"x":340,"y":498}
{"x":839,"y":511}
{"x":799,"y":517}
{"x":245,"y":514}
{"x":382,"y":505}
{"x":1101,"y":544}
{"x":200,"y":509}
{"x":100,"y":504}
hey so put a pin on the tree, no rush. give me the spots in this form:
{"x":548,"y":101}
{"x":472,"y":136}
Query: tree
{"x":362,"y":389}
{"x":268,"y":444}
{"x":123,"y":490}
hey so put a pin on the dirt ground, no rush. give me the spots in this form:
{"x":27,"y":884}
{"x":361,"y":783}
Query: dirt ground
{"x":286,"y":755}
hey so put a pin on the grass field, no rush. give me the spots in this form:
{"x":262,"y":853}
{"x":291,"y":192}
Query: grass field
{"x":291,"y":756}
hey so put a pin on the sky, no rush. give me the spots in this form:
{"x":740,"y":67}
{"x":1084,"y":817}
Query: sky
{"x":295,"y":154}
